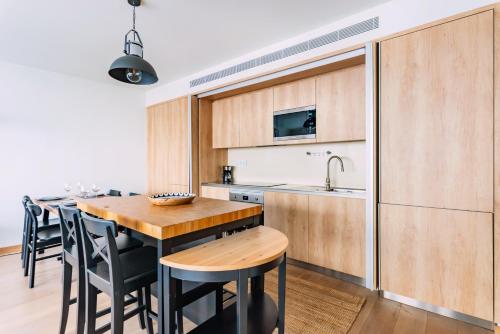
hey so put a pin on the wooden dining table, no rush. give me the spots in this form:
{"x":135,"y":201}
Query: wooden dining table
{"x":174,"y":227}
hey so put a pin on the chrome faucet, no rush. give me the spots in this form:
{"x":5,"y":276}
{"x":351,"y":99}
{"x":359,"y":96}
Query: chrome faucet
{"x":328,"y":186}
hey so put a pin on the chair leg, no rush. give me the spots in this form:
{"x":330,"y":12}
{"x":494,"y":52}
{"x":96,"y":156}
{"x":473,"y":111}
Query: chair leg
{"x":140,"y":302}
{"x":32,"y":264}
{"x":66,"y":295}
{"x":80,"y":301}
{"x":90,"y":311}
{"x":23,"y":241}
{"x":117,"y":310}
{"x":147,"y":302}
{"x":26,"y":260}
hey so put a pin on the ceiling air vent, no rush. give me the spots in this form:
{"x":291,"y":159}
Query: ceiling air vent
{"x":332,"y":37}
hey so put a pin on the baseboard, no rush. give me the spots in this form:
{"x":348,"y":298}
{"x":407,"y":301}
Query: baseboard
{"x":10,"y":250}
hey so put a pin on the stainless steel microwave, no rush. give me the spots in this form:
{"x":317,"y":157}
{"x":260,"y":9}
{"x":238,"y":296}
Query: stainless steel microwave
{"x":297,"y":123}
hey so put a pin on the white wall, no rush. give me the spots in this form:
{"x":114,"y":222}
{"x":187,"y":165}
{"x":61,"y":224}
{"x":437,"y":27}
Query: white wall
{"x":291,"y":164}
{"x":395,"y":16}
{"x":57,"y":129}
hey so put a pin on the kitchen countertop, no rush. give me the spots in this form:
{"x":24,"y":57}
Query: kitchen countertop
{"x":296,"y":188}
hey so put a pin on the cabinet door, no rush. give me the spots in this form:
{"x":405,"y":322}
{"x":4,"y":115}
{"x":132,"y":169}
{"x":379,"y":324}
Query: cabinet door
{"x":256,"y":118}
{"x":441,"y":257}
{"x":215,"y":192}
{"x":340,"y":105}
{"x":337,"y":234}
{"x":226,"y":122}
{"x":437,"y":116}
{"x":288,"y":213}
{"x":295,"y":94}
{"x":168,"y":162}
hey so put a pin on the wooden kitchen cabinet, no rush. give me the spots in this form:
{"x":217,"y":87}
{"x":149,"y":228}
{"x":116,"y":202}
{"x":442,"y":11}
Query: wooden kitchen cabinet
{"x":215,"y":192}
{"x":288,"y":213}
{"x":340,"y":105}
{"x":226,"y":122}
{"x":438,"y":256}
{"x":168,"y":159}
{"x":437,"y":116}
{"x":337,"y":234}
{"x":295,"y":94}
{"x":256,"y":118}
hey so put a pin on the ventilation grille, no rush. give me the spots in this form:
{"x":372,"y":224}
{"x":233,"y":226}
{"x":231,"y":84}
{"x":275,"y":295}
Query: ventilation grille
{"x":311,"y":44}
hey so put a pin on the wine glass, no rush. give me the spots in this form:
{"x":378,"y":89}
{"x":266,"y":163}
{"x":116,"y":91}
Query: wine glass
{"x":67,"y":188}
{"x":84,"y":192}
{"x":95,"y":189}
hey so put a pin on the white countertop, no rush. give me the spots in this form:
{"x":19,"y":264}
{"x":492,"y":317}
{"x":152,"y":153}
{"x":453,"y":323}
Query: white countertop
{"x":296,"y":188}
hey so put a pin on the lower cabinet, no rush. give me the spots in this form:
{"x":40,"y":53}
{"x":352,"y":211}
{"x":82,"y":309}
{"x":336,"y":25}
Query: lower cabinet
{"x":337,"y":233}
{"x":438,"y":256}
{"x":325,"y":231}
{"x":215,"y":192}
{"x":287,"y":213}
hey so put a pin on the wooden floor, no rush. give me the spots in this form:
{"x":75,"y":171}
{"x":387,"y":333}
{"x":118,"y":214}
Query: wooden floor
{"x":37,"y":310}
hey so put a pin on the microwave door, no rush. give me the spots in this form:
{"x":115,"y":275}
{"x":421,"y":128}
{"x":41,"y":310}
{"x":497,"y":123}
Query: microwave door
{"x":295,"y":124}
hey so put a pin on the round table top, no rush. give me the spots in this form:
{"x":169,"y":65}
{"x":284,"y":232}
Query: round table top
{"x":243,"y":250}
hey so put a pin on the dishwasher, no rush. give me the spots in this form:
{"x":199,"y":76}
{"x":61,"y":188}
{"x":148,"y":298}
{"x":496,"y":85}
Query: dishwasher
{"x":247,"y":196}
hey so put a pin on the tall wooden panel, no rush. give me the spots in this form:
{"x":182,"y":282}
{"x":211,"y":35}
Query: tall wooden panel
{"x":211,"y":159}
{"x":340,"y":105}
{"x":497,"y":164}
{"x":168,"y":155}
{"x":226,"y":122}
{"x":256,"y":118}
{"x":288,"y":213}
{"x":438,"y":256}
{"x":295,"y":94}
{"x":337,"y":233}
{"x":437,"y":116}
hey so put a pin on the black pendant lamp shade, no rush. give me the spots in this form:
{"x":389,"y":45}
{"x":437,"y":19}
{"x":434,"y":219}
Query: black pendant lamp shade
{"x":132,"y":68}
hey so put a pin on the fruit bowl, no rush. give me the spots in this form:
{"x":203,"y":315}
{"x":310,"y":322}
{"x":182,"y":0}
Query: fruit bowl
{"x":171,"y":198}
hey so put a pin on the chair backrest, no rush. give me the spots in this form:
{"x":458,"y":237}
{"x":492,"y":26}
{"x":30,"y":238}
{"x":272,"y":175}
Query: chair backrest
{"x":70,"y":230}
{"x":33,"y":212}
{"x":113,"y":192}
{"x":93,"y":251}
{"x":133,"y":194}
{"x":26,"y":199}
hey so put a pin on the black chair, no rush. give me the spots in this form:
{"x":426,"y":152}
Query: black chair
{"x":46,"y":221}
{"x":133,"y":194}
{"x":115,"y":275}
{"x":41,"y":238}
{"x":73,"y":258}
{"x":113,"y":192}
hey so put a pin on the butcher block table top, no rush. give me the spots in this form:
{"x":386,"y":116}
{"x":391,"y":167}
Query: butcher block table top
{"x":163,"y":222}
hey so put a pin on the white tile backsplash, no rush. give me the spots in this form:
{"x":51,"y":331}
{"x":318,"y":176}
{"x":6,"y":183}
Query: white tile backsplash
{"x":291,"y":164}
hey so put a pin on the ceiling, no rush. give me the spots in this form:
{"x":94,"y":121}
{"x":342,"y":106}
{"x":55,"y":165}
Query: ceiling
{"x":181,"y":37}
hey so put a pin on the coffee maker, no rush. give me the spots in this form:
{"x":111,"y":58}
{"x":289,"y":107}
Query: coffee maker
{"x":227,"y":174}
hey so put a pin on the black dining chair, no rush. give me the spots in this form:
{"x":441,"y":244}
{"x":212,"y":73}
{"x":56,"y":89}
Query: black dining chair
{"x":46,"y":221}
{"x":73,"y":258}
{"x":115,"y":275}
{"x":113,"y":192}
{"x":41,"y":238}
{"x":133,"y":194}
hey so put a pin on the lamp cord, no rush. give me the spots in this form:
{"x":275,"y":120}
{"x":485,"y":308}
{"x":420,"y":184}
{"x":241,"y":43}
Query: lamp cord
{"x":133,"y":18}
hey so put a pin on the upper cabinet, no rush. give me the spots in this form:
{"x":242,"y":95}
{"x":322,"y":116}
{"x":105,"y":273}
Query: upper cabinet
{"x":437,"y":116}
{"x":246,"y":120}
{"x":295,"y":94}
{"x":256,"y":118}
{"x":226,"y":122}
{"x":340,"y":105}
